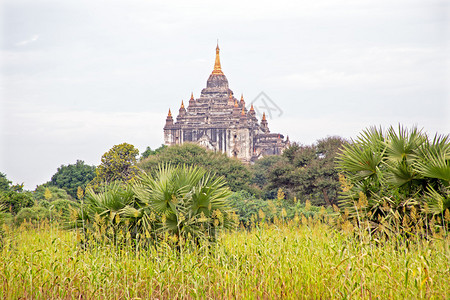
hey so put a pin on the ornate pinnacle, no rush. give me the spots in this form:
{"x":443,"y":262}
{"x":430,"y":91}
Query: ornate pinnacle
{"x":264,"y":116}
{"x":192,"y":96}
{"x":217,"y":68}
{"x":182,"y":104}
{"x":170,"y":113}
{"x":236,"y":104}
{"x":242,"y":112}
{"x":251,"y":108}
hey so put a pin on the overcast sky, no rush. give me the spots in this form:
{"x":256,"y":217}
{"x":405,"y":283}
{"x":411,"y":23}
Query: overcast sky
{"x":78,"y":77}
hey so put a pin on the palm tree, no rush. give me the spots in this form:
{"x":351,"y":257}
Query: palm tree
{"x":390,"y":177}
{"x":185,"y":201}
{"x":100,"y":212}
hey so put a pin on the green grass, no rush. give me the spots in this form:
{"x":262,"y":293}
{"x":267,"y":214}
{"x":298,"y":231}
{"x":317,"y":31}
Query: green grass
{"x":269,"y":261}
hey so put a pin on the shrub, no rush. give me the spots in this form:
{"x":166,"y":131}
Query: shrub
{"x":396,"y":181}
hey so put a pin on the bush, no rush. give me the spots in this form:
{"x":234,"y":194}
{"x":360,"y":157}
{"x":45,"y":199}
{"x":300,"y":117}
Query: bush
{"x":32,"y":214}
{"x":396,"y":181}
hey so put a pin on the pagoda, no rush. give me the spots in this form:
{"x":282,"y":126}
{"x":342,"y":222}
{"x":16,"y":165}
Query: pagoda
{"x":220,"y":122}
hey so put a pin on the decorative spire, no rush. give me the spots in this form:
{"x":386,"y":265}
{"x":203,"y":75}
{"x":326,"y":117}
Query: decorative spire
{"x":243,"y":112}
{"x":251,"y":108}
{"x":236,"y":104}
{"x":264,"y":124}
{"x":169,"y":119}
{"x":242,"y":100}
{"x":192,"y":96}
{"x":217,"y":68}
{"x":182,"y":104}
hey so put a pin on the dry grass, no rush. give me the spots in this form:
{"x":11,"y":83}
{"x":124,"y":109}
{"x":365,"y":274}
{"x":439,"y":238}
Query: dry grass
{"x":291,"y":260}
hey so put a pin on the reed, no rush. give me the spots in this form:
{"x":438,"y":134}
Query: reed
{"x":301,"y":258}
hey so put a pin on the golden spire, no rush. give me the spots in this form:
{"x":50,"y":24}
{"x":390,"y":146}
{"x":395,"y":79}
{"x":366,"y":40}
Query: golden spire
{"x":192,"y":96}
{"x":236,"y":104}
{"x":264,"y":116}
{"x":242,"y":97}
{"x":251,"y":108}
{"x":217,"y":69}
{"x":243,"y":112}
{"x":230,"y":96}
{"x":182,"y":104}
{"x":170,"y":113}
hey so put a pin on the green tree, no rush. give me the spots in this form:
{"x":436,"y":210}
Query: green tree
{"x":72,"y":176}
{"x":54,"y":192}
{"x":15,"y":198}
{"x":260,"y":174}
{"x":4,"y":182}
{"x":308,"y":172}
{"x":148,"y":152}
{"x":237,"y":175}
{"x":118,"y":164}
{"x":397,"y":179}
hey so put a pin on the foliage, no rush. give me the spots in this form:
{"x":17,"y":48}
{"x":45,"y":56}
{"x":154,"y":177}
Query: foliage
{"x":283,"y":261}
{"x":260,"y":174}
{"x":251,"y":209}
{"x":177,"y":201}
{"x":308,"y":172}
{"x":50,"y":193}
{"x":235,"y":172}
{"x":57,"y":211}
{"x":15,"y":198}
{"x":149,"y":152}
{"x":4,"y":182}
{"x":118,"y":164}
{"x":395,"y":181}
{"x":70,"y":177}
{"x":32,"y":214}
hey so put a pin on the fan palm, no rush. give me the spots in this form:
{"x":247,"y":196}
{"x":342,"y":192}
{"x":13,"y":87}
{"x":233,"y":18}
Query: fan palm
{"x":390,"y":175}
{"x":100,"y":212}
{"x":181,"y":201}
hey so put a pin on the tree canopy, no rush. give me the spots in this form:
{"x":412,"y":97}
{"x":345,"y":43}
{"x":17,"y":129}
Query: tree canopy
{"x":118,"y":164}
{"x":13,"y":197}
{"x":308,"y":172}
{"x":72,"y":176}
{"x":235,"y":172}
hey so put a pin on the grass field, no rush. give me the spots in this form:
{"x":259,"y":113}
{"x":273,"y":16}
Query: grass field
{"x":288,"y":260}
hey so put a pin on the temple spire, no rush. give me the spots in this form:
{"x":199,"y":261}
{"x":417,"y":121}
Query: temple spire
{"x":169,"y":114}
{"x":182,"y":104}
{"x":217,"y":68}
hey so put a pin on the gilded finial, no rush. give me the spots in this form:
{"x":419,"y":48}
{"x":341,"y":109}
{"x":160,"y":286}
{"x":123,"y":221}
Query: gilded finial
{"x":182,"y":104}
{"x":236,"y":104}
{"x":264,"y":116}
{"x":192,"y":96}
{"x":217,"y":68}
{"x":251,"y":108}
{"x":243,"y":112}
{"x":170,"y":113}
{"x":230,"y":96}
{"x":242,"y":97}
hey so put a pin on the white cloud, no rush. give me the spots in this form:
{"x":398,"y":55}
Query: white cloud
{"x":34,"y":38}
